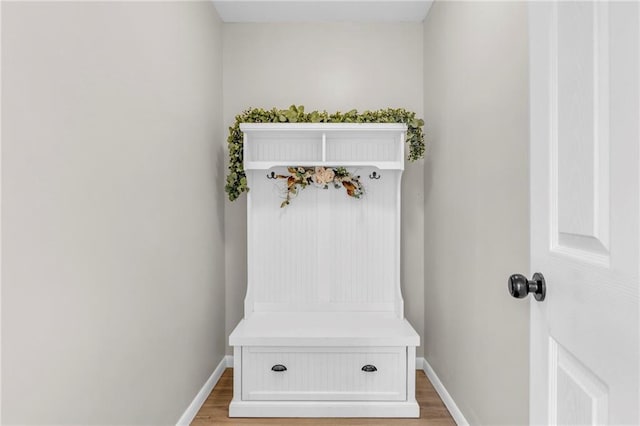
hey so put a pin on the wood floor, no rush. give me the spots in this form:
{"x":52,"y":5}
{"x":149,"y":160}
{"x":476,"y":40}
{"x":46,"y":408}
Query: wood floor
{"x":215,"y":409}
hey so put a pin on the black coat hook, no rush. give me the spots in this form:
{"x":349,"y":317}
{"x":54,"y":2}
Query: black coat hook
{"x":374,"y":175}
{"x":271,"y":176}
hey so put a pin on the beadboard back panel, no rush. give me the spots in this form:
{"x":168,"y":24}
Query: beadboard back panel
{"x":283,"y":253}
{"x":284,"y":146}
{"x":379,"y":146}
{"x":325,"y":251}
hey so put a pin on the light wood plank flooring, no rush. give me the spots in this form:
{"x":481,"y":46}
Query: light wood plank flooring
{"x":215,"y":409}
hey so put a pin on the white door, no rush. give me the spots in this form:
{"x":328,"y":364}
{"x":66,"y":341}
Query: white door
{"x":585,"y":122}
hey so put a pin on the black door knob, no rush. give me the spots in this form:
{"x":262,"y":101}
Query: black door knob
{"x":520,"y":286}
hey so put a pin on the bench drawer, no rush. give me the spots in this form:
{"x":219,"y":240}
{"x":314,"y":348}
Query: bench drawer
{"x":324,"y":373}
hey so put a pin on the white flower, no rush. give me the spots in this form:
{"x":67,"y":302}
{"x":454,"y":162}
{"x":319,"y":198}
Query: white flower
{"x":323,"y":176}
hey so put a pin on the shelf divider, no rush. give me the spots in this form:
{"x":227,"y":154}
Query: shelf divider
{"x":324,"y":147}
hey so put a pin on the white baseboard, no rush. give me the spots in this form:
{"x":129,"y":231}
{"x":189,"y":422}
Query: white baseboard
{"x":191,"y":411}
{"x":455,"y":412}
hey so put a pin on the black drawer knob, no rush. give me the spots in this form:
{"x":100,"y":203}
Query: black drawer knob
{"x":369,"y":368}
{"x":278,"y":367}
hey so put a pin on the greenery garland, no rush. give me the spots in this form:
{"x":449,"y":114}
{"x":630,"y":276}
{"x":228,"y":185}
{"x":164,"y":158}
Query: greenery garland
{"x":237,"y":179}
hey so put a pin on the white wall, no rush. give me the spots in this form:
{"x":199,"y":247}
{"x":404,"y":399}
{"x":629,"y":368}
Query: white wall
{"x":332,"y":67}
{"x":477,"y":205}
{"x":112,"y":177}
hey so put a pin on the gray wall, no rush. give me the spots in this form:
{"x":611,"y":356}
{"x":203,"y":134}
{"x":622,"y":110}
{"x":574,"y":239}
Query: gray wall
{"x":112,"y":210}
{"x":332,"y":67}
{"x":113,"y":296}
{"x":476,"y":205}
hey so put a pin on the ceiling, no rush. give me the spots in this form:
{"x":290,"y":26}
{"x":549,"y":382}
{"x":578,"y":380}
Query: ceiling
{"x":322,"y":10}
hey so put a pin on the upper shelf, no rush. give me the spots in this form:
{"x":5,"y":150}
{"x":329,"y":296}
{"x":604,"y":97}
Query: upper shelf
{"x":314,"y":127}
{"x":269,"y":145}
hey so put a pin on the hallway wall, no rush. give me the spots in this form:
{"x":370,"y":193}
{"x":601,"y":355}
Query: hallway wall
{"x":112,"y":210}
{"x":477,"y":205}
{"x":114,"y":215}
{"x":337,"y":66}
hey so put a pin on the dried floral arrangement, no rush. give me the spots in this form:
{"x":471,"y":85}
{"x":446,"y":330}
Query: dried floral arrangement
{"x":301,"y":177}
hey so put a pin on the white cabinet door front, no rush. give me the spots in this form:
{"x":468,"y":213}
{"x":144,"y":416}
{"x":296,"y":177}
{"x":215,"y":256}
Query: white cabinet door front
{"x":585,"y":116}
